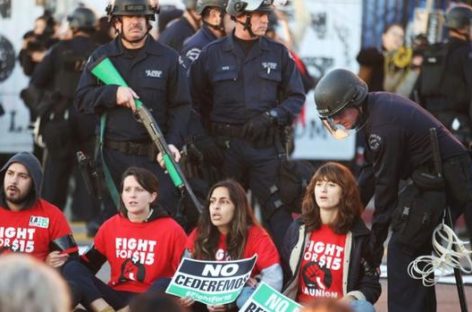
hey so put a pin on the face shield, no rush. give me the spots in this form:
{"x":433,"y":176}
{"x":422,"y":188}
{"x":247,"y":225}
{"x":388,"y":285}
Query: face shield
{"x":345,"y":122}
{"x":337,"y":131}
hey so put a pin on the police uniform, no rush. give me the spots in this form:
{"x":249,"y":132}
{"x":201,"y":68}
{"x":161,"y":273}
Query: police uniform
{"x":194,"y":45}
{"x":176,"y":32}
{"x":65,"y":130}
{"x":153,"y":72}
{"x":398,"y":142}
{"x":450,"y":100}
{"x":228,"y":89}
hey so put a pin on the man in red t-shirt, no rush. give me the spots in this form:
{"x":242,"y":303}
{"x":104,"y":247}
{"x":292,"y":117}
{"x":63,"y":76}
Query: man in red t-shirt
{"x":29,"y":224}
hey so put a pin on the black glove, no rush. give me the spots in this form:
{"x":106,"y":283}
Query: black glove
{"x":259,"y":129}
{"x":208,"y":148}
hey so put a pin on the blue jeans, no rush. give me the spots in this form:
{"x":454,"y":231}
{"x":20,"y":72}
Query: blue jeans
{"x":362,"y":306}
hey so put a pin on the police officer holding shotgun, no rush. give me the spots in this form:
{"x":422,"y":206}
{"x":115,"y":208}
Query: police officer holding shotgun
{"x":153,"y":74}
{"x":397,"y":134}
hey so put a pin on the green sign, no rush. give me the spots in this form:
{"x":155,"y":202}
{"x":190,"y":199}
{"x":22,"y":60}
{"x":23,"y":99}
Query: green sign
{"x":267,"y":299}
{"x":211,"y":282}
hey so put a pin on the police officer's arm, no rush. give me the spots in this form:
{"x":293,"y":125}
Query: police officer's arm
{"x":293,"y":94}
{"x":387,"y":145}
{"x":92,"y":96}
{"x":178,"y":99}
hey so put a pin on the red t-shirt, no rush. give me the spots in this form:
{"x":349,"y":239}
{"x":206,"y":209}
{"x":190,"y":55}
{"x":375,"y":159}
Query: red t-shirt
{"x":140,"y":253}
{"x":321,"y":270}
{"x":32,"y":230}
{"x":258,"y":242}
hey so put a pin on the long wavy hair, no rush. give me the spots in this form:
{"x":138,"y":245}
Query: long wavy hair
{"x":208,"y":237}
{"x":146,"y":179}
{"x":350,"y":206}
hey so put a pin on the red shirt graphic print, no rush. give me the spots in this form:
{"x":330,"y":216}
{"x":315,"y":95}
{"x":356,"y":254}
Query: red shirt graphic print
{"x":321,"y":270}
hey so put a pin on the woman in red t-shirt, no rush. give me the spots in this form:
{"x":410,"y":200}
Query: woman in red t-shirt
{"x":142,"y":244}
{"x":326,"y":249}
{"x":228,"y":230}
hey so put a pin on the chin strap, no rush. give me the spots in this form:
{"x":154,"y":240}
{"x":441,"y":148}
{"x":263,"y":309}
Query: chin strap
{"x":218,"y":27}
{"x":122,"y":37}
{"x":247,"y":26}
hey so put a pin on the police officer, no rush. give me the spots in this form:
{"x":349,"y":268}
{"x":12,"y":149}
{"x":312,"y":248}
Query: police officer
{"x":212,"y":13}
{"x":245,"y":86}
{"x":65,"y":130}
{"x":445,"y":82}
{"x":177,"y":31}
{"x":154,"y":75}
{"x":398,"y":141}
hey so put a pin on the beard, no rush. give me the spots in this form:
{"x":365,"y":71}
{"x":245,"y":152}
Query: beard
{"x":16,"y":197}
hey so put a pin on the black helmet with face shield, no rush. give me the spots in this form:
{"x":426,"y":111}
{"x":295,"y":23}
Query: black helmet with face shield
{"x":338,"y":90}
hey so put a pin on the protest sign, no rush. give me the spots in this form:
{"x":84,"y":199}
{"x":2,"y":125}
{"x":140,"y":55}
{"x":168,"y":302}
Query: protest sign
{"x":211,"y":282}
{"x":267,"y":299}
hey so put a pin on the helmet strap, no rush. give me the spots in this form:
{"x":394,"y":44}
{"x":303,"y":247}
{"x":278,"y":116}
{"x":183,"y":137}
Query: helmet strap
{"x":248,"y":26}
{"x":218,"y":27}
{"x":362,"y":117}
{"x":122,"y":36}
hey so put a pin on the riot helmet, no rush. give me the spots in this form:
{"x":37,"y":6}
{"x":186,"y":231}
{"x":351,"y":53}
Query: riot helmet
{"x":132,"y":8}
{"x":82,"y":19}
{"x":240,"y":7}
{"x":338,"y":90}
{"x":203,"y":4}
{"x":459,"y":17}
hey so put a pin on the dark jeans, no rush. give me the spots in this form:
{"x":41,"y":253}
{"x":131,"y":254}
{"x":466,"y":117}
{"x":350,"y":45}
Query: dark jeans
{"x":86,"y":287}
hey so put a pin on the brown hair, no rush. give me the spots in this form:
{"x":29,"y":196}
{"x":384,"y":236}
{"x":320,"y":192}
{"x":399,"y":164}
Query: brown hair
{"x":350,"y":206}
{"x":145,"y":178}
{"x":206,"y":243}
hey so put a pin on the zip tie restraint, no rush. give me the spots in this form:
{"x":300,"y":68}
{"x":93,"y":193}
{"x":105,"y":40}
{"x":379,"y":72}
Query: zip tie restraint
{"x":449,"y":250}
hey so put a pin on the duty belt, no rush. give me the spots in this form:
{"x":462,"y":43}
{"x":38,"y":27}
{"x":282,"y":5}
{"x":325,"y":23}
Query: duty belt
{"x":132,"y":148}
{"x":227,"y":130}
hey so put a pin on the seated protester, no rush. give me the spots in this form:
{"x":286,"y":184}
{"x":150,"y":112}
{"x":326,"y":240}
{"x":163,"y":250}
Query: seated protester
{"x":28,"y":223}
{"x":142,"y":244}
{"x":228,"y":230}
{"x":325,"y":252}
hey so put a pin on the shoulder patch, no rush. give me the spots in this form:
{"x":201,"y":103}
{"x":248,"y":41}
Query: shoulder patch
{"x":193,"y":54}
{"x":375,"y":142}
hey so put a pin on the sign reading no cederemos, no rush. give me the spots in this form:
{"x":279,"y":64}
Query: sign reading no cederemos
{"x":267,"y":299}
{"x":211,"y":282}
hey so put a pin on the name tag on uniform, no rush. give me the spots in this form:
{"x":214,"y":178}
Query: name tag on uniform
{"x":269,"y":66}
{"x":153,"y":73}
{"x":41,"y":222}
